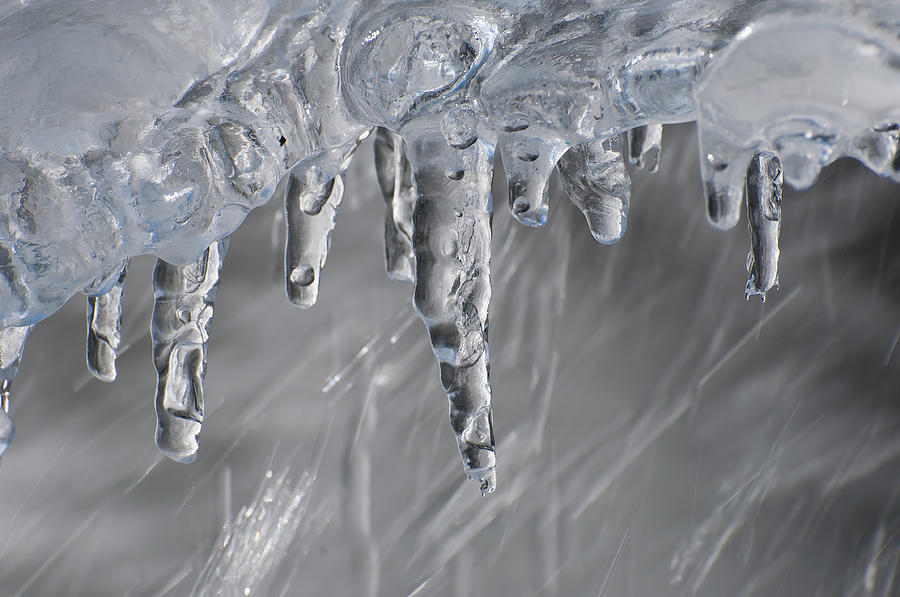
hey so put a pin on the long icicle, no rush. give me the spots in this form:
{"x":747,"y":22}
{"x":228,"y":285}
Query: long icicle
{"x":181,"y":313}
{"x":395,"y":180}
{"x":597,"y":182}
{"x":451,"y":239}
{"x":12,"y":345}
{"x":764,"y":181}
{"x":104,"y":329}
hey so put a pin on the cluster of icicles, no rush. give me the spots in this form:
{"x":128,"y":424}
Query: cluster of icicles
{"x":441,"y":89}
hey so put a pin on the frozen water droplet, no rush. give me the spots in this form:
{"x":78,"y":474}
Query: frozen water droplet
{"x":104,"y":329}
{"x":764,"y":181}
{"x":459,"y":127}
{"x":645,"y":145}
{"x":303,"y":275}
{"x":453,"y":290}
{"x":516,"y":125}
{"x":179,"y":347}
{"x":521,"y":205}
{"x":597,"y":182}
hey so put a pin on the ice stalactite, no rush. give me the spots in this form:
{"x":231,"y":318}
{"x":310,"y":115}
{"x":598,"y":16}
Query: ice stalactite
{"x":529,"y":162}
{"x":597,"y":182}
{"x":12,"y":344}
{"x":764,"y":180}
{"x":645,"y":146}
{"x":452,"y":244}
{"x":313,"y":195}
{"x":181,"y":314}
{"x":396,"y":184}
{"x":104,"y":329}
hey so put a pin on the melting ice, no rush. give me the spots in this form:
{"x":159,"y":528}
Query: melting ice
{"x":214,"y":112}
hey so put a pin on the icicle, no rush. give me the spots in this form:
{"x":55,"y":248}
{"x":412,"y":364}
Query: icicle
{"x":597,"y":182}
{"x":451,"y":239}
{"x":395,"y":179}
{"x":528,"y":162}
{"x":181,"y":314}
{"x":104,"y":329}
{"x":722,"y":169}
{"x":764,"y":180}
{"x":645,"y":145}
{"x":12,"y":344}
{"x":312,"y":199}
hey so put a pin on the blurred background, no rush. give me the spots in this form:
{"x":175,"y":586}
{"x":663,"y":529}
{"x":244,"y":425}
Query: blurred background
{"x":657,"y":435}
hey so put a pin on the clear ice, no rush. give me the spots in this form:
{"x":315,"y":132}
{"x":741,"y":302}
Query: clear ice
{"x":167,"y":126}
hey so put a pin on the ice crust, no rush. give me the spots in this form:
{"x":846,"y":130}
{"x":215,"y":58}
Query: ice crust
{"x":136,"y":127}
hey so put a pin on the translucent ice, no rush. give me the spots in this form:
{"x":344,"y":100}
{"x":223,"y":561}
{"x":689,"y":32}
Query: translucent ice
{"x":104,"y":334}
{"x":181,"y":314}
{"x":597,"y":183}
{"x":130,"y":128}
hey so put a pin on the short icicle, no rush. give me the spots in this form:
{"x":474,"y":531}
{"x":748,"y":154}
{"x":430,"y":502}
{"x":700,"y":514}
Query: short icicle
{"x":764,"y":181}
{"x":395,"y":180}
{"x":313,"y":195}
{"x":723,"y":171}
{"x":181,"y":313}
{"x":529,"y":162}
{"x":645,"y":146}
{"x":12,"y":345}
{"x":597,"y":182}
{"x":104,"y":329}
{"x":451,"y":239}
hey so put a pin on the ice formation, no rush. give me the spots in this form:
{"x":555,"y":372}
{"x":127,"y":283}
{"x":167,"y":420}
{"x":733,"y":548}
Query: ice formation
{"x":133,"y":127}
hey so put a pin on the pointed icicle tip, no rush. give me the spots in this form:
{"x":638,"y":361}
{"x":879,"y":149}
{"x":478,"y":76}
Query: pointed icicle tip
{"x":183,"y":308}
{"x":452,"y":240}
{"x":764,"y":184}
